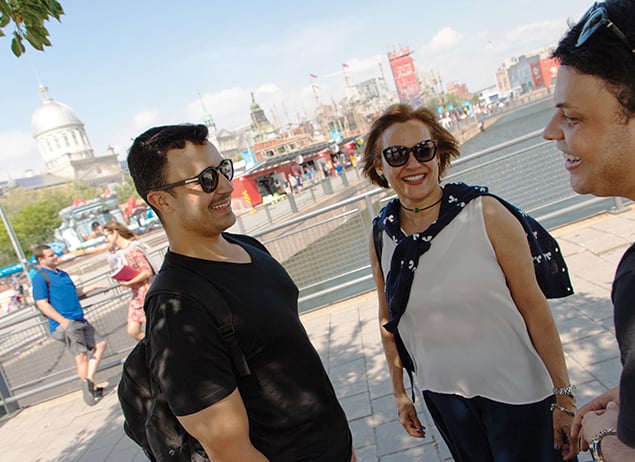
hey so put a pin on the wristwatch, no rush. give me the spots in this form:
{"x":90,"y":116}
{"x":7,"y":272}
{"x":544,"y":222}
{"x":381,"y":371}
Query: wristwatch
{"x":595,"y":448}
{"x":569,"y":390}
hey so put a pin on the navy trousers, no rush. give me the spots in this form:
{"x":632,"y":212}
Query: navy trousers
{"x":481,"y":430}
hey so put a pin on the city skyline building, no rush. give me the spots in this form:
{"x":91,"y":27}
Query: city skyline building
{"x":405,"y":76}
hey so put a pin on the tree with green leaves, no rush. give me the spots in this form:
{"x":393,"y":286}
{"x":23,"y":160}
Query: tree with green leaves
{"x":27,"y":18}
{"x":34,"y":215}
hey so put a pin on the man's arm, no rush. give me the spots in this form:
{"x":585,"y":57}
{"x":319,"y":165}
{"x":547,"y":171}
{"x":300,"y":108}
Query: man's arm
{"x":223,"y":431}
{"x":612,"y":449}
{"x":82,"y":292}
{"x":597,"y":404}
{"x":47,"y":309}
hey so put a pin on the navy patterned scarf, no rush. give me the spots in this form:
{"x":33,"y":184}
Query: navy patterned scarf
{"x":551,"y":270}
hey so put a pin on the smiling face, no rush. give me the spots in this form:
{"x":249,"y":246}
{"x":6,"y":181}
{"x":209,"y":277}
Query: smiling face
{"x":188,"y":211}
{"x":416,"y":183}
{"x":598,"y":142}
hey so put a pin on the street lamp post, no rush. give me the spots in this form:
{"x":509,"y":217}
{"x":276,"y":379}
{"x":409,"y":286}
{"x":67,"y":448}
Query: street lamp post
{"x":14,"y":242}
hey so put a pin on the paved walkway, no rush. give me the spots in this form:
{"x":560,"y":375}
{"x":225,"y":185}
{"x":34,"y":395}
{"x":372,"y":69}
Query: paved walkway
{"x":346,"y":335}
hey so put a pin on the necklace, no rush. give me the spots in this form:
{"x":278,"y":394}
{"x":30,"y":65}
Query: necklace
{"x":417,"y":209}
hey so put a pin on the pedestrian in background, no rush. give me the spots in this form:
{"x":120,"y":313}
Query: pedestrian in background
{"x":130,"y":252}
{"x":57,"y":297}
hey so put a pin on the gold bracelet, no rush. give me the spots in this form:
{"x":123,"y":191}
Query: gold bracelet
{"x":561,"y":408}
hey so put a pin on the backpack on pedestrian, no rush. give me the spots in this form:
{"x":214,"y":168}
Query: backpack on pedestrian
{"x":148,"y":420}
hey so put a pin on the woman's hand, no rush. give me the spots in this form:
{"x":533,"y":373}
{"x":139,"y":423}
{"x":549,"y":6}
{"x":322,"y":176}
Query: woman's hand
{"x":408,"y":416}
{"x":562,"y":440}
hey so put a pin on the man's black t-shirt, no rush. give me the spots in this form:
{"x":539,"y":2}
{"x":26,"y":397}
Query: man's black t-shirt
{"x":623,"y":296}
{"x":293,"y":411}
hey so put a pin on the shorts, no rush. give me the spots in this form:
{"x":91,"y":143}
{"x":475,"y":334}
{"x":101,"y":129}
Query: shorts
{"x":79,"y":336}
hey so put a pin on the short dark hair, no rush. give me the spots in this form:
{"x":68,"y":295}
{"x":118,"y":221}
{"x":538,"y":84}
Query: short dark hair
{"x":604,"y":55}
{"x":447,"y":145}
{"x":38,"y":251}
{"x":147,"y":157}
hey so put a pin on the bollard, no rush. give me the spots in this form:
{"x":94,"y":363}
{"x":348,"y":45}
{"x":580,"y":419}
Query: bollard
{"x":344,"y":179}
{"x":241,"y":225}
{"x":294,"y":207}
{"x":327,"y":187}
{"x":7,"y":408}
{"x":268,"y":214}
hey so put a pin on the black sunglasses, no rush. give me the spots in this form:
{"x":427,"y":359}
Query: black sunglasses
{"x":596,"y":18}
{"x":208,"y":178}
{"x":424,"y":151}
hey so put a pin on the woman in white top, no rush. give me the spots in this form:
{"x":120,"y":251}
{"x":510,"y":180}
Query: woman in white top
{"x":459,"y":300}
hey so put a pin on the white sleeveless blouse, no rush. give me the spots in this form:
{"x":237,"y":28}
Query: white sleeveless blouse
{"x":461,"y":326}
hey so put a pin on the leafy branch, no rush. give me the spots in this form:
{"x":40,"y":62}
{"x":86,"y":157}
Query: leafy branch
{"x":27,"y":17}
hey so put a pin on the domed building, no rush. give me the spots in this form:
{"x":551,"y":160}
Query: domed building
{"x":64,"y":146}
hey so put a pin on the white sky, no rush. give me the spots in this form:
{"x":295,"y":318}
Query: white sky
{"x":124,"y":66}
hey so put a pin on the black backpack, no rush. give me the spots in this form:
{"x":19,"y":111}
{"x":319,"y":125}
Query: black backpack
{"x":148,"y":420}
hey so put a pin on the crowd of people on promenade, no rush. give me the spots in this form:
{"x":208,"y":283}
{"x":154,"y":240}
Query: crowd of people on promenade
{"x":461,"y":283}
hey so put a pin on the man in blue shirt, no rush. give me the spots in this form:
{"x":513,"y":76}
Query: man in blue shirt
{"x":57,"y":297}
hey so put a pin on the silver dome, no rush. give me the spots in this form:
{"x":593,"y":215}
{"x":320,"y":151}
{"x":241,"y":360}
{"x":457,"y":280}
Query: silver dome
{"x":52,"y":115}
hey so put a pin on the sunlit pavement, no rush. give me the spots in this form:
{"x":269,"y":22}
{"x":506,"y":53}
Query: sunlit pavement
{"x":347,"y":338}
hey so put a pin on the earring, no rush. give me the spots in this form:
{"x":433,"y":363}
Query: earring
{"x":382,"y":177}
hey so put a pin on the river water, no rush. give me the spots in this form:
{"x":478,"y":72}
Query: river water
{"x":516,"y":123}
{"x":519,"y":122}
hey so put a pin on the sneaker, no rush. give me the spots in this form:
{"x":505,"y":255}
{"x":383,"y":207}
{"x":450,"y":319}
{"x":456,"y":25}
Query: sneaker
{"x":87,"y":392}
{"x":98,"y":392}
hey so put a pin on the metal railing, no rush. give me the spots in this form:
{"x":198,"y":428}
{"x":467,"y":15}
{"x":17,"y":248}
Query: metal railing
{"x":325,"y":252}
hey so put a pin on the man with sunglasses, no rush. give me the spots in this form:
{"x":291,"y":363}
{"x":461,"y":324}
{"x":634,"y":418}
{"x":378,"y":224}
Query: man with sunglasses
{"x":287,"y":409}
{"x":594,"y":127}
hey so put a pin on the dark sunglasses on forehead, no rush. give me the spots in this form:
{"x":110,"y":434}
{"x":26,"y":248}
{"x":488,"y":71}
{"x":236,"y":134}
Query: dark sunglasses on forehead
{"x":595,"y":19}
{"x":424,"y":151}
{"x":208,"y":178}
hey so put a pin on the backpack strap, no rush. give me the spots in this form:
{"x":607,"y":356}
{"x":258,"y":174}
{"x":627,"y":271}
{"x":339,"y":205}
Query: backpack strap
{"x":378,"y":241}
{"x":176,"y":280}
{"x":47,"y":279}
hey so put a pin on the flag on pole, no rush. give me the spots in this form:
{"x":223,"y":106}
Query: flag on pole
{"x":344,"y":65}
{"x":313,"y":76}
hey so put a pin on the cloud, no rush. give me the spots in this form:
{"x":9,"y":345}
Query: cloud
{"x":533,"y":36}
{"x":229,"y":108}
{"x":444,"y":40}
{"x":146,"y":119}
{"x":269,"y":88}
{"x":19,"y":153}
